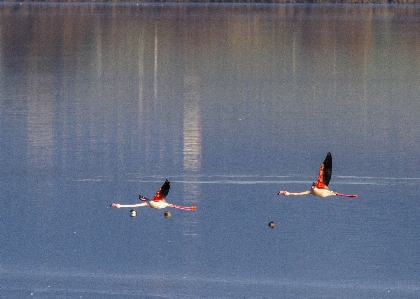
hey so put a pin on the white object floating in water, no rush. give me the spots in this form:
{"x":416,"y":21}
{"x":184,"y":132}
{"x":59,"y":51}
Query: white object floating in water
{"x":133,"y":213}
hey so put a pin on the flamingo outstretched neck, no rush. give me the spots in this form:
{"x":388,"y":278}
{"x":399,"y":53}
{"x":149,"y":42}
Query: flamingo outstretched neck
{"x":157,"y":202}
{"x":320,"y":188}
{"x":117,"y":205}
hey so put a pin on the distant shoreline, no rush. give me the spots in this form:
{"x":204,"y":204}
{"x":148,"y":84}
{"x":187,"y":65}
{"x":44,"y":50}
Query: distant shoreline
{"x":238,"y":1}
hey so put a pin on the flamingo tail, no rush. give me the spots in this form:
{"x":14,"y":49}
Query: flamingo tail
{"x":191,"y":208}
{"x":346,"y":195}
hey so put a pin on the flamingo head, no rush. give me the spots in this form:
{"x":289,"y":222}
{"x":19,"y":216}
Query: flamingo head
{"x":142,"y":198}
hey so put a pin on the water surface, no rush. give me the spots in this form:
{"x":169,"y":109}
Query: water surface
{"x":231,"y":103}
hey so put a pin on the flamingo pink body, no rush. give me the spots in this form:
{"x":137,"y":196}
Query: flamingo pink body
{"x":157,"y":202}
{"x":320,"y":188}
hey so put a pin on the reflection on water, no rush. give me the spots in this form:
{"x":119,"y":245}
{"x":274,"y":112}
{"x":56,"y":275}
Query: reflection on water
{"x":61,"y":58}
{"x":192,"y":127}
{"x":192,"y":148}
{"x":230,"y":103}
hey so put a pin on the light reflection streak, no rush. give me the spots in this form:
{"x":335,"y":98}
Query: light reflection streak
{"x":40,"y":130}
{"x":192,"y":148}
{"x":155,"y":64}
{"x":192,"y":127}
{"x":141,"y":44}
{"x":192,"y":140}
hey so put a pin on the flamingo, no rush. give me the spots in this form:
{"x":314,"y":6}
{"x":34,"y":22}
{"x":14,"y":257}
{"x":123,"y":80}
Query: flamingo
{"x":320,"y":188}
{"x":157,"y":202}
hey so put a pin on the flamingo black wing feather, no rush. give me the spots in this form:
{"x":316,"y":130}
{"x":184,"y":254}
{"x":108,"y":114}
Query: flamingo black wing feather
{"x":162,"y":192}
{"x":327,"y":169}
{"x":324,"y":175}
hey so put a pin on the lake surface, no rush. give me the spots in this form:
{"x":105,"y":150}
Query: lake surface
{"x":231,"y":103}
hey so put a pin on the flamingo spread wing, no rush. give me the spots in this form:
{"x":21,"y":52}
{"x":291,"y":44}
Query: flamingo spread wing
{"x":158,"y":201}
{"x":162,"y":192}
{"x":324,"y":175}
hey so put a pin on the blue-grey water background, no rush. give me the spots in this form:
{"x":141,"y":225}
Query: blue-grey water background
{"x":100,"y":103}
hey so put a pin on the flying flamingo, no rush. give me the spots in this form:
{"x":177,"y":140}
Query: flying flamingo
{"x":157,"y":202}
{"x":320,"y":188}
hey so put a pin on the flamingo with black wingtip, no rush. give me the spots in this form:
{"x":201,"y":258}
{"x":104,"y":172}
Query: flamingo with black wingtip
{"x":320,"y":188}
{"x":157,"y":202}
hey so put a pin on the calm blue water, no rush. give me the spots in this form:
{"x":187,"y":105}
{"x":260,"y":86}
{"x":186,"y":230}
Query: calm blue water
{"x":231,"y":103}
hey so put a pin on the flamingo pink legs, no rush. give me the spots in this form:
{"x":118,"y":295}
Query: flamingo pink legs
{"x":346,"y":195}
{"x":192,"y":208}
